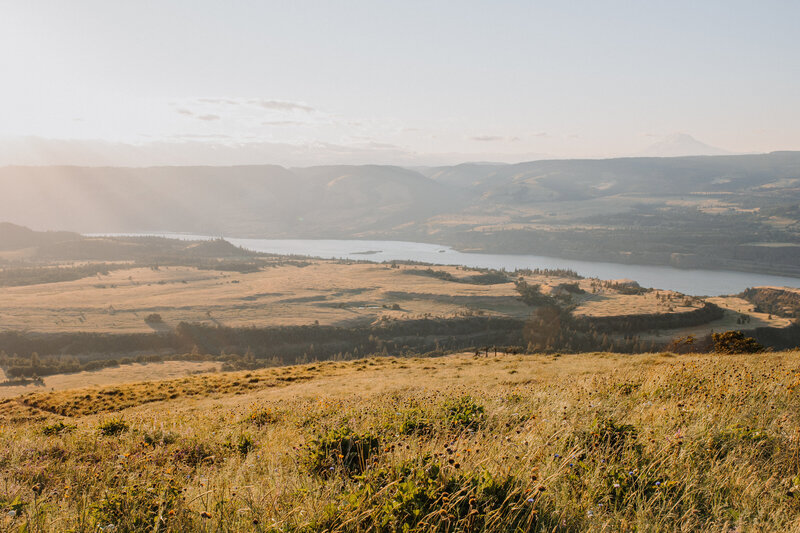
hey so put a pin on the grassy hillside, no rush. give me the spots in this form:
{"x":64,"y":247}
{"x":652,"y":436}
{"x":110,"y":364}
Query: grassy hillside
{"x":591,"y":442}
{"x":278,"y":291}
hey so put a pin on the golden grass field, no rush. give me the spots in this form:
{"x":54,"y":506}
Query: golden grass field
{"x":329,"y":292}
{"x":589,"y":442}
{"x":112,"y":376}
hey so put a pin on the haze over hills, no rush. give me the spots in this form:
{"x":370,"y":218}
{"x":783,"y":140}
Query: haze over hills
{"x":221,"y":150}
{"x":680,"y":144}
{"x":710,"y":211}
{"x":14,"y":237}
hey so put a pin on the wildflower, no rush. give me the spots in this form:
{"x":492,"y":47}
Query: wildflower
{"x":530,"y":500}
{"x":205,"y":514}
{"x":616,"y":485}
{"x":12,"y":513}
{"x":658,"y":483}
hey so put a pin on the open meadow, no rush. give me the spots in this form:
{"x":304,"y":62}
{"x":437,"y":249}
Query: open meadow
{"x":127,"y":373}
{"x":585,"y":442}
{"x":326,"y":292}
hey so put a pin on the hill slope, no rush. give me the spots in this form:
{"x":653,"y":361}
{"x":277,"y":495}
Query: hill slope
{"x":536,"y":443}
{"x":14,"y":237}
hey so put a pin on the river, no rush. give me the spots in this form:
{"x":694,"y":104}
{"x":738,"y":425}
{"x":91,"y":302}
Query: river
{"x":694,"y":282}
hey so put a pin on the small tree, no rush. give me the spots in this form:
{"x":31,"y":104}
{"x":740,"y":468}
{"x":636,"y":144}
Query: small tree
{"x":683,"y":344}
{"x":154,"y":318}
{"x":735,"y":342}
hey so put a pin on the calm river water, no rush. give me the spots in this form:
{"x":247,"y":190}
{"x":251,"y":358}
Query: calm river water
{"x":695,"y":282}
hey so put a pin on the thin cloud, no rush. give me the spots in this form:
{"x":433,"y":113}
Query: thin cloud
{"x":282,"y":123}
{"x":195,"y":136}
{"x":216,"y":104}
{"x":384,"y":146}
{"x":208,"y":117}
{"x":281,"y":105}
{"x":494,"y":138}
{"x":371,"y":143}
{"x":229,"y":101}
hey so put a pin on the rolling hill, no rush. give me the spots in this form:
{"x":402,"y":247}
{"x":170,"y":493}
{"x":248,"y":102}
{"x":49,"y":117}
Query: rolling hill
{"x":705,"y":211}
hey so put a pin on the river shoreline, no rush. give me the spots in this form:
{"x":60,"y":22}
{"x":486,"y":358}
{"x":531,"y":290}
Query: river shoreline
{"x":698,"y":282}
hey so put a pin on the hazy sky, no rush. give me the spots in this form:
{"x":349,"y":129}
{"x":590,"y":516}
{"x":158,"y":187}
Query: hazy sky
{"x":472,"y":79}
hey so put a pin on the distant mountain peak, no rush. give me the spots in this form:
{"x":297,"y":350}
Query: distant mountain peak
{"x":680,"y":144}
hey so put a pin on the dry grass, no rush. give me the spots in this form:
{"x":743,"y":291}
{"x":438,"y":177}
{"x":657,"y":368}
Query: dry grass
{"x":323,"y":291}
{"x":111,"y":376}
{"x":326,"y":291}
{"x":592,"y":442}
{"x":610,"y":302}
{"x":740,"y":306}
{"x":735,"y":308}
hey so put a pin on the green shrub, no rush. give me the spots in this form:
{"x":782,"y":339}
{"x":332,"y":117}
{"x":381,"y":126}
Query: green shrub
{"x":464,"y":412}
{"x":113,"y":427}
{"x":741,"y":435}
{"x":422,"y":496}
{"x":628,"y":388}
{"x":342,"y":449}
{"x":735,"y":342}
{"x":415,"y":421}
{"x":606,"y":433}
{"x":57,"y":428}
{"x":244,"y":444}
{"x":159,"y":438}
{"x":514,"y":398}
{"x":139,"y":507}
